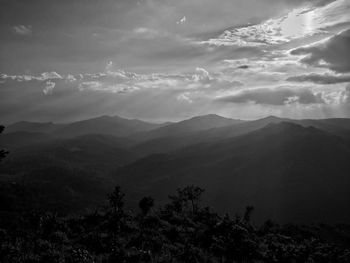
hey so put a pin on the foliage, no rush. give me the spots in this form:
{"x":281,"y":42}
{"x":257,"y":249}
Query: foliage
{"x":3,"y":153}
{"x":181,"y":231}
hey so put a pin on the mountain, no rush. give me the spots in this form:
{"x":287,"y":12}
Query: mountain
{"x":191,"y":125}
{"x":26,"y":126}
{"x":115,"y":125}
{"x":167,"y":143}
{"x":22,"y":138}
{"x":338,"y":126}
{"x":290,"y":170}
{"x":100,"y":152}
{"x":287,"y":171}
{"x":180,"y":134}
{"x":67,"y":175}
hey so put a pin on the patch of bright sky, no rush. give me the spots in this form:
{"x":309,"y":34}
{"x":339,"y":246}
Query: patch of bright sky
{"x":191,"y":91}
{"x":298,"y":23}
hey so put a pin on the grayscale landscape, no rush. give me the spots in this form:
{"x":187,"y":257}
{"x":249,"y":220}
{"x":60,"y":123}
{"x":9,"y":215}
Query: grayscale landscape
{"x":174,"y":131}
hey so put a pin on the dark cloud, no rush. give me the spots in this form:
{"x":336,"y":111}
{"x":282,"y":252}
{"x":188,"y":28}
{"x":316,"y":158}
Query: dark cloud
{"x":346,"y":94}
{"x":278,"y":96}
{"x":54,"y":100}
{"x":50,"y":96}
{"x":320,"y":78}
{"x":243,"y":67}
{"x":318,"y":3}
{"x":334,"y":53}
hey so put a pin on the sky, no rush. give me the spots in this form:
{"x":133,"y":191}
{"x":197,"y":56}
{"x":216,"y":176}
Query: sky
{"x":166,"y":60}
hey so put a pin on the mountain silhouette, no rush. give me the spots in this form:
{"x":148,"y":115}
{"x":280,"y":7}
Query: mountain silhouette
{"x":194,"y":124}
{"x":291,"y":170}
{"x":112,"y":125}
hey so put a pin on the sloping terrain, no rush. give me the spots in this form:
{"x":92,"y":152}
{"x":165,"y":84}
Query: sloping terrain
{"x":287,"y":171}
{"x":290,"y":170}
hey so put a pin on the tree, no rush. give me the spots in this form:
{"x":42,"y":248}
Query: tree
{"x":146,"y":204}
{"x":248,"y":213}
{"x":116,"y":199}
{"x":3,"y":153}
{"x":190,"y":194}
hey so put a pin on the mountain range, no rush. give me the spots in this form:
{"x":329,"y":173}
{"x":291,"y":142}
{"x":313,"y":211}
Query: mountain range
{"x":290,"y":170}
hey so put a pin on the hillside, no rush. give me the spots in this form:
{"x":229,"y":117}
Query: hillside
{"x":275,"y":168}
{"x":111,"y":125}
{"x":271,"y":163}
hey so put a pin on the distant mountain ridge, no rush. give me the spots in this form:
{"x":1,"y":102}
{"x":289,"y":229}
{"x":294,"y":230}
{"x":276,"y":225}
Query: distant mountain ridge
{"x":26,"y":126}
{"x":194,"y":124}
{"x":205,"y":124}
{"x":121,"y":127}
{"x":288,"y":169}
{"x":112,"y":125}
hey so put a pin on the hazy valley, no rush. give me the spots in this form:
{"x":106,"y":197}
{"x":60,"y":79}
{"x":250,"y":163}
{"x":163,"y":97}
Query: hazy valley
{"x":290,"y":170}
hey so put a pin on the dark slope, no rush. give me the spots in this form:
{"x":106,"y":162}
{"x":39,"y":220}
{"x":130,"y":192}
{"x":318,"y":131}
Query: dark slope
{"x":66,"y":175}
{"x":270,"y":166}
{"x":40,"y":127}
{"x":335,"y":126}
{"x":194,"y":124}
{"x":338,"y":126}
{"x":98,"y":151}
{"x":289,"y":172}
{"x":165,"y":144}
{"x":180,"y":134}
{"x":168,"y":143}
{"x":21,"y":138}
{"x":105,"y":125}
{"x":115,"y":125}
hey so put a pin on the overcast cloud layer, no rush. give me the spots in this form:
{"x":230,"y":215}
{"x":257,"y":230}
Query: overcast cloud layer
{"x":168,"y":60}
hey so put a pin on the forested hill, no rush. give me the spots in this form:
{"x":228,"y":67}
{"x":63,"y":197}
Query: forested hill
{"x":183,"y":230}
{"x":290,"y":170}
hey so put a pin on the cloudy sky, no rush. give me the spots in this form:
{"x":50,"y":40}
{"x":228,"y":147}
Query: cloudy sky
{"x":163,"y":60}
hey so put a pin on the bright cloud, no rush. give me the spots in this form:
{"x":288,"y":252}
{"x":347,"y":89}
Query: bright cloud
{"x":299,"y":23}
{"x":167,"y":59}
{"x":181,"y":21}
{"x":326,"y":78}
{"x":23,"y":30}
{"x":49,"y":86}
{"x":331,"y":53}
{"x":274,"y":96}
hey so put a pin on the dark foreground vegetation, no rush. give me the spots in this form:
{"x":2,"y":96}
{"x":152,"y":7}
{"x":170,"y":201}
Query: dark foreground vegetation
{"x":180,"y":231}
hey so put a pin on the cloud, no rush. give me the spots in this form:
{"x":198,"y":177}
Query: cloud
{"x":299,"y":23}
{"x":49,"y":75}
{"x":70,"y":78}
{"x":124,"y":81}
{"x":318,"y":3}
{"x":49,"y":86}
{"x":109,"y":88}
{"x":243,"y":67}
{"x":332,"y":53}
{"x":276,"y":96}
{"x":184,"y":97}
{"x":42,"y":77}
{"x":181,"y":21}
{"x":147,"y":33}
{"x":325,"y":78}
{"x":270,"y":32}
{"x":46,"y":78}
{"x":206,"y":80}
{"x":347,"y":94}
{"x":23,"y":30}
